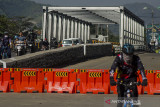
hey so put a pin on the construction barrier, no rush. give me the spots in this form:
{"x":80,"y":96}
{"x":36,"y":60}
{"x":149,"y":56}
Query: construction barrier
{"x":94,"y":81}
{"x":151,"y":81}
{"x":62,"y":81}
{"x":69,"y":80}
{"x":28,"y":80}
{"x":5,"y":79}
{"x":154,"y":82}
{"x":140,"y":87}
{"x":45,"y":70}
{"x":146,"y":87}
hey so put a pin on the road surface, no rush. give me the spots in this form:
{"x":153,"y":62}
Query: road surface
{"x":150,"y":61}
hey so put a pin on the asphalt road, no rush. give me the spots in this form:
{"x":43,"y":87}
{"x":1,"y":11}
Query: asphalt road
{"x":150,"y":61}
{"x":68,"y":100}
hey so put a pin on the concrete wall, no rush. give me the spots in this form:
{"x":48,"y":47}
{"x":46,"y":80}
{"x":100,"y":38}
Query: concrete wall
{"x":57,"y":57}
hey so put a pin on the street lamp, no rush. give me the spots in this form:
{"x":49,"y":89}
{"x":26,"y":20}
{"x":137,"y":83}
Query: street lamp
{"x":153,"y":38}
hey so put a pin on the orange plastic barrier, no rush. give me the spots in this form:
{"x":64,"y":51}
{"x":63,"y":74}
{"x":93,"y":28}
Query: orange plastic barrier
{"x":154,"y":84}
{"x":94,"y":80}
{"x":146,"y":87}
{"x":28,"y":80}
{"x":140,"y":87}
{"x":5,"y":79}
{"x":62,"y":80}
{"x":45,"y":70}
{"x":151,"y":81}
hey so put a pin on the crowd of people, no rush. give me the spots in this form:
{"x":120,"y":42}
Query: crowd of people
{"x":8,"y":43}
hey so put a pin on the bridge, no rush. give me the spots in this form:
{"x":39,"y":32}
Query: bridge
{"x":75,"y":22}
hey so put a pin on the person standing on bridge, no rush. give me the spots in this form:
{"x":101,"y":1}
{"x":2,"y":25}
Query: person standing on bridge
{"x":128,"y":64}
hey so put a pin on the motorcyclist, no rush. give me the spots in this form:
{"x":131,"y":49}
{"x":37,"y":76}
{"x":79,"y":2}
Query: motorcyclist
{"x":128,"y":64}
{"x":32,"y":36}
{"x":45,"y":44}
{"x":6,"y":43}
{"x":53,"y":43}
{"x":21,"y":37}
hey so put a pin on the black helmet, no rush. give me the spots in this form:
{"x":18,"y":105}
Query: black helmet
{"x":128,"y":49}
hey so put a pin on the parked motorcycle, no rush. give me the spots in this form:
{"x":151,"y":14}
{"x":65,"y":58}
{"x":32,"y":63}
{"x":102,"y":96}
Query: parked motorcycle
{"x":21,"y":48}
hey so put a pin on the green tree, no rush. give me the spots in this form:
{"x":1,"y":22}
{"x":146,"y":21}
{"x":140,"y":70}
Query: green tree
{"x":15,"y":25}
{"x":23,"y":23}
{"x":6,"y":24}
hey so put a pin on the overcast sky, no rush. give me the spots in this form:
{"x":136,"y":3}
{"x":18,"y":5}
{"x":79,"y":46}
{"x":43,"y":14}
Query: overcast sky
{"x":154,"y":3}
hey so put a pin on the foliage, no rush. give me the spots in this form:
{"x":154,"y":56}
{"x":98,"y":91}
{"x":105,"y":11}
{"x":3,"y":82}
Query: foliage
{"x":7,"y":24}
{"x":15,"y":25}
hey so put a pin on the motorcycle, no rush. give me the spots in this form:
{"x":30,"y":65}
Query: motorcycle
{"x":21,"y":48}
{"x":30,"y":46}
{"x":53,"y":43}
{"x":44,"y":48}
{"x":45,"y":45}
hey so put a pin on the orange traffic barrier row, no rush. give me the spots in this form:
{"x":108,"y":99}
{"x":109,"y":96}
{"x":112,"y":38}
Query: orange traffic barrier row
{"x":68,"y":80}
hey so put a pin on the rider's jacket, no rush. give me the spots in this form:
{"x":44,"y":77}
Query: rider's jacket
{"x":21,"y":38}
{"x":31,"y":37}
{"x":45,"y":43}
{"x":126,"y":71}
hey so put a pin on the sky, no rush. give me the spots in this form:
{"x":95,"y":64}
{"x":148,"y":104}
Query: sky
{"x":154,"y":3}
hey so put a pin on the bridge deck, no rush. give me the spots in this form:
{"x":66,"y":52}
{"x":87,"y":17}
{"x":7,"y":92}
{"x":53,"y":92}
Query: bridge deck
{"x":151,"y":61}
